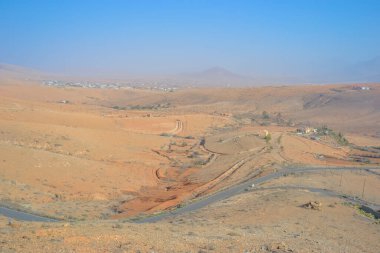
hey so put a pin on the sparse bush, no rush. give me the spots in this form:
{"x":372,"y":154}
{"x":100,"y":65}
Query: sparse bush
{"x":341,"y":139}
{"x":149,"y":107}
{"x":364,"y":213}
{"x":323,"y":130}
{"x":200,"y":162}
{"x":116,"y":107}
{"x":117,"y":225}
{"x":265,"y":115}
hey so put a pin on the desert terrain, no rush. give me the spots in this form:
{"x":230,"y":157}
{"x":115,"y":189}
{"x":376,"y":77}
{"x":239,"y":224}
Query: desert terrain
{"x":264,"y":169}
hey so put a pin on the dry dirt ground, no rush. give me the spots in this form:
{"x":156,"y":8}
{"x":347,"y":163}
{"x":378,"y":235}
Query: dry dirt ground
{"x":94,"y":157}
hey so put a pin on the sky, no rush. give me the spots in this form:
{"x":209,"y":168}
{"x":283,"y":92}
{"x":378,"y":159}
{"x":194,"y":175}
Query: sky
{"x":283,"y":38}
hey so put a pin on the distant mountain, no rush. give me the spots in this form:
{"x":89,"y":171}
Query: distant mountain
{"x":216,"y":76}
{"x":215,"y":72}
{"x":15,"y":69}
{"x":365,"y":71}
{"x":13,"y":72}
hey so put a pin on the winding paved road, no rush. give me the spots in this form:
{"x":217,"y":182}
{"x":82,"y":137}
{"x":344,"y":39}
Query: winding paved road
{"x":224,"y":194}
{"x":20,"y":215}
{"x":234,"y":190}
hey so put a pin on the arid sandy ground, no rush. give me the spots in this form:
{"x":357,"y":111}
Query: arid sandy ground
{"x":94,"y":157}
{"x":263,"y":221}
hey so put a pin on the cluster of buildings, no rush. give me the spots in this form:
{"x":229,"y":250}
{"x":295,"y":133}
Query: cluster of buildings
{"x":306,"y":130}
{"x":156,"y":87}
{"x":313,"y":133}
{"x":82,"y":84}
{"x":110,"y":85}
{"x":361,"y":88}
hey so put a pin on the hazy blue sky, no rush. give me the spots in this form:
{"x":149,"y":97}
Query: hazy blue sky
{"x":249,"y":37}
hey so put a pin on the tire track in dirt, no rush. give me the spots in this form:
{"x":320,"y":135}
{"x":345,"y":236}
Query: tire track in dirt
{"x":206,"y":150}
{"x":226,"y":174}
{"x":178,"y":127}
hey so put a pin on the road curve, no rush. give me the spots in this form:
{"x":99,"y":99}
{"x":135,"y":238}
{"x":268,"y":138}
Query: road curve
{"x":221,"y":195}
{"x":234,"y":190}
{"x":20,"y":215}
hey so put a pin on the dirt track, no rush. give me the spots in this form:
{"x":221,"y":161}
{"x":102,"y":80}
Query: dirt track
{"x":178,"y":128}
{"x":225,"y":174}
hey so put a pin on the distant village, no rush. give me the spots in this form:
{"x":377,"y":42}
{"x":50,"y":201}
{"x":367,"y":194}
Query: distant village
{"x":357,"y":87}
{"x":111,"y":85}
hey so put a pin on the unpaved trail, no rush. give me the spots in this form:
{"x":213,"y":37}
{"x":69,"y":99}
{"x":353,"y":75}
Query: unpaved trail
{"x":206,"y":150}
{"x":226,"y":174}
{"x":178,"y":127}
